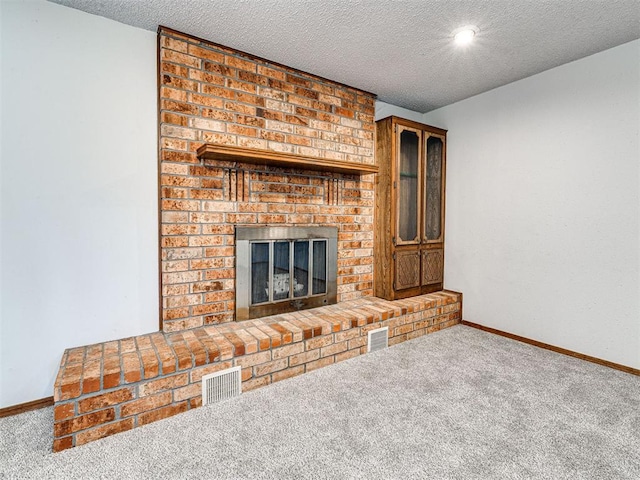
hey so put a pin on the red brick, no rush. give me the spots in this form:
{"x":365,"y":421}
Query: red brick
{"x":174,"y":44}
{"x":304,"y":357}
{"x":397,"y":339}
{"x":166,"y":383}
{"x":205,"y":53}
{"x":132,"y":369}
{"x":319,"y":324}
{"x":184,"y":355}
{"x":264,"y":342}
{"x":104,"y":431}
{"x":224,"y":346}
{"x":416,"y":334}
{"x":347,"y":335}
{"x":374,"y":326}
{"x":94,"y":352}
{"x":323,"y":362}
{"x":256,"y":383}
{"x":238,"y":344}
{"x":198,"y":352}
{"x":145,"y":404}
{"x":165,"y":353}
{"x":173,"y":313}
{"x":246,"y":374}
{"x":60,"y":444}
{"x":150,"y":363}
{"x":76,"y":355}
{"x":288,"y":373}
{"x":250,"y":342}
{"x":357,"y":342}
{"x":70,"y":384}
{"x":111,"y":348}
{"x":208,"y":309}
{"x":287,"y":351}
{"x":347,"y":355}
{"x":213,"y":352}
{"x":164,"y":412}
{"x":270,"y":367}
{"x":179,"y":58}
{"x":274,"y":337}
{"x":294,"y":324}
{"x":403,"y":329}
{"x":318,"y":342}
{"x":105,"y":400}
{"x":189,"y":391}
{"x":286,"y":335}
{"x":64,"y":411}
{"x":83,"y":422}
{"x":255,"y":359}
{"x":333,"y":349}
{"x":197,"y":373}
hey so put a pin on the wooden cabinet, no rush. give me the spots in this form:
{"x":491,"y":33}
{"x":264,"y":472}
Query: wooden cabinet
{"x":409,"y":236}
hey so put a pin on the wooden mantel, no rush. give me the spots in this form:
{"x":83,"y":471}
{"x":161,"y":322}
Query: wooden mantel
{"x":267,"y":157}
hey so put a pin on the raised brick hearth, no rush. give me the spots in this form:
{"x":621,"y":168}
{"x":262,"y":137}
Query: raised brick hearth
{"x":111,"y":387}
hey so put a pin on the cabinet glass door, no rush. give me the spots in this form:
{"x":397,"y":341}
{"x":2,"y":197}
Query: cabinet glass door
{"x":433,"y":209}
{"x":408,"y":187}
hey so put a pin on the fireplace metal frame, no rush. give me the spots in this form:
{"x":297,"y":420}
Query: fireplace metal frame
{"x":245,"y":235}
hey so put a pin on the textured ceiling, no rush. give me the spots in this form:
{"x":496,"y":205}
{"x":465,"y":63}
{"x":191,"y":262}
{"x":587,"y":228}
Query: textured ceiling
{"x":401,"y":50}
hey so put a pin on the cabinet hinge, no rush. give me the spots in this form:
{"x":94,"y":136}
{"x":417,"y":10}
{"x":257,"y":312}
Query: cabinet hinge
{"x":394,"y":256}
{"x":393,"y":240}
{"x":394,"y":285}
{"x":394,"y":184}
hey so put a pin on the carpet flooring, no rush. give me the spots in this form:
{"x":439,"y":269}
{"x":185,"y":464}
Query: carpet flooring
{"x":457,"y":404}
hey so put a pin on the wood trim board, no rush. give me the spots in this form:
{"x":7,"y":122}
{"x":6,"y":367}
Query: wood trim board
{"x":553,"y":348}
{"x":26,"y":407}
{"x":289,"y":160}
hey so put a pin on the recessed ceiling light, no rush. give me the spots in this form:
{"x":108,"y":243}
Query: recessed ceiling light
{"x":465,"y":35}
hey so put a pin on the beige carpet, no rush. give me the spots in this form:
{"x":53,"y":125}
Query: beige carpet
{"x":459,"y":404}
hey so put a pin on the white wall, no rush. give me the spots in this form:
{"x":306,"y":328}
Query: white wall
{"x":384,"y":110}
{"x":78,"y":189}
{"x":543,"y":205}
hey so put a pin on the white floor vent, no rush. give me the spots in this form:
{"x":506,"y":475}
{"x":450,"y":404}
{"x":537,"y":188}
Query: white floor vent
{"x":378,"y":339}
{"x":221,"y":385}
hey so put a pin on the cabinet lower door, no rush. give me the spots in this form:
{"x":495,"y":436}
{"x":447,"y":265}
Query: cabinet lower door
{"x":407,"y":270}
{"x":432,"y":266}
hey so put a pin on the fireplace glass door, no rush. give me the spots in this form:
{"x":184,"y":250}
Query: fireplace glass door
{"x":260,"y":269}
{"x":284,"y":274}
{"x":319,"y":267}
{"x":283,"y":270}
{"x":301,"y":268}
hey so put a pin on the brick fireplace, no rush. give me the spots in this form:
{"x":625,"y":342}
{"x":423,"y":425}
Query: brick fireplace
{"x":244,"y":142}
{"x":213,"y":95}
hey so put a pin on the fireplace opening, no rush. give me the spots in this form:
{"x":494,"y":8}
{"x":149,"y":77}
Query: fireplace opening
{"x":281,"y":269}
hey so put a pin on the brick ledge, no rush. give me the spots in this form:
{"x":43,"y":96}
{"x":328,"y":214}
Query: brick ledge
{"x":109,"y":387}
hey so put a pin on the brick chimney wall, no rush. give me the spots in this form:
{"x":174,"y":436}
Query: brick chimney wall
{"x":213,"y":94}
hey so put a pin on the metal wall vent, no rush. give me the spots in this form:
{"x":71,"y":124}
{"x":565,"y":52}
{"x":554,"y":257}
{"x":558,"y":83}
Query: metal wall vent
{"x":221,"y":385}
{"x":378,"y":339}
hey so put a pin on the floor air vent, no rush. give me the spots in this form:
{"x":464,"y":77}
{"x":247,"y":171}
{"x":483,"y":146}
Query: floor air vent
{"x":378,"y":339}
{"x":221,"y":385}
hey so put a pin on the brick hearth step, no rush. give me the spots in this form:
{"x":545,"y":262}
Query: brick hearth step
{"x":110,"y":387}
